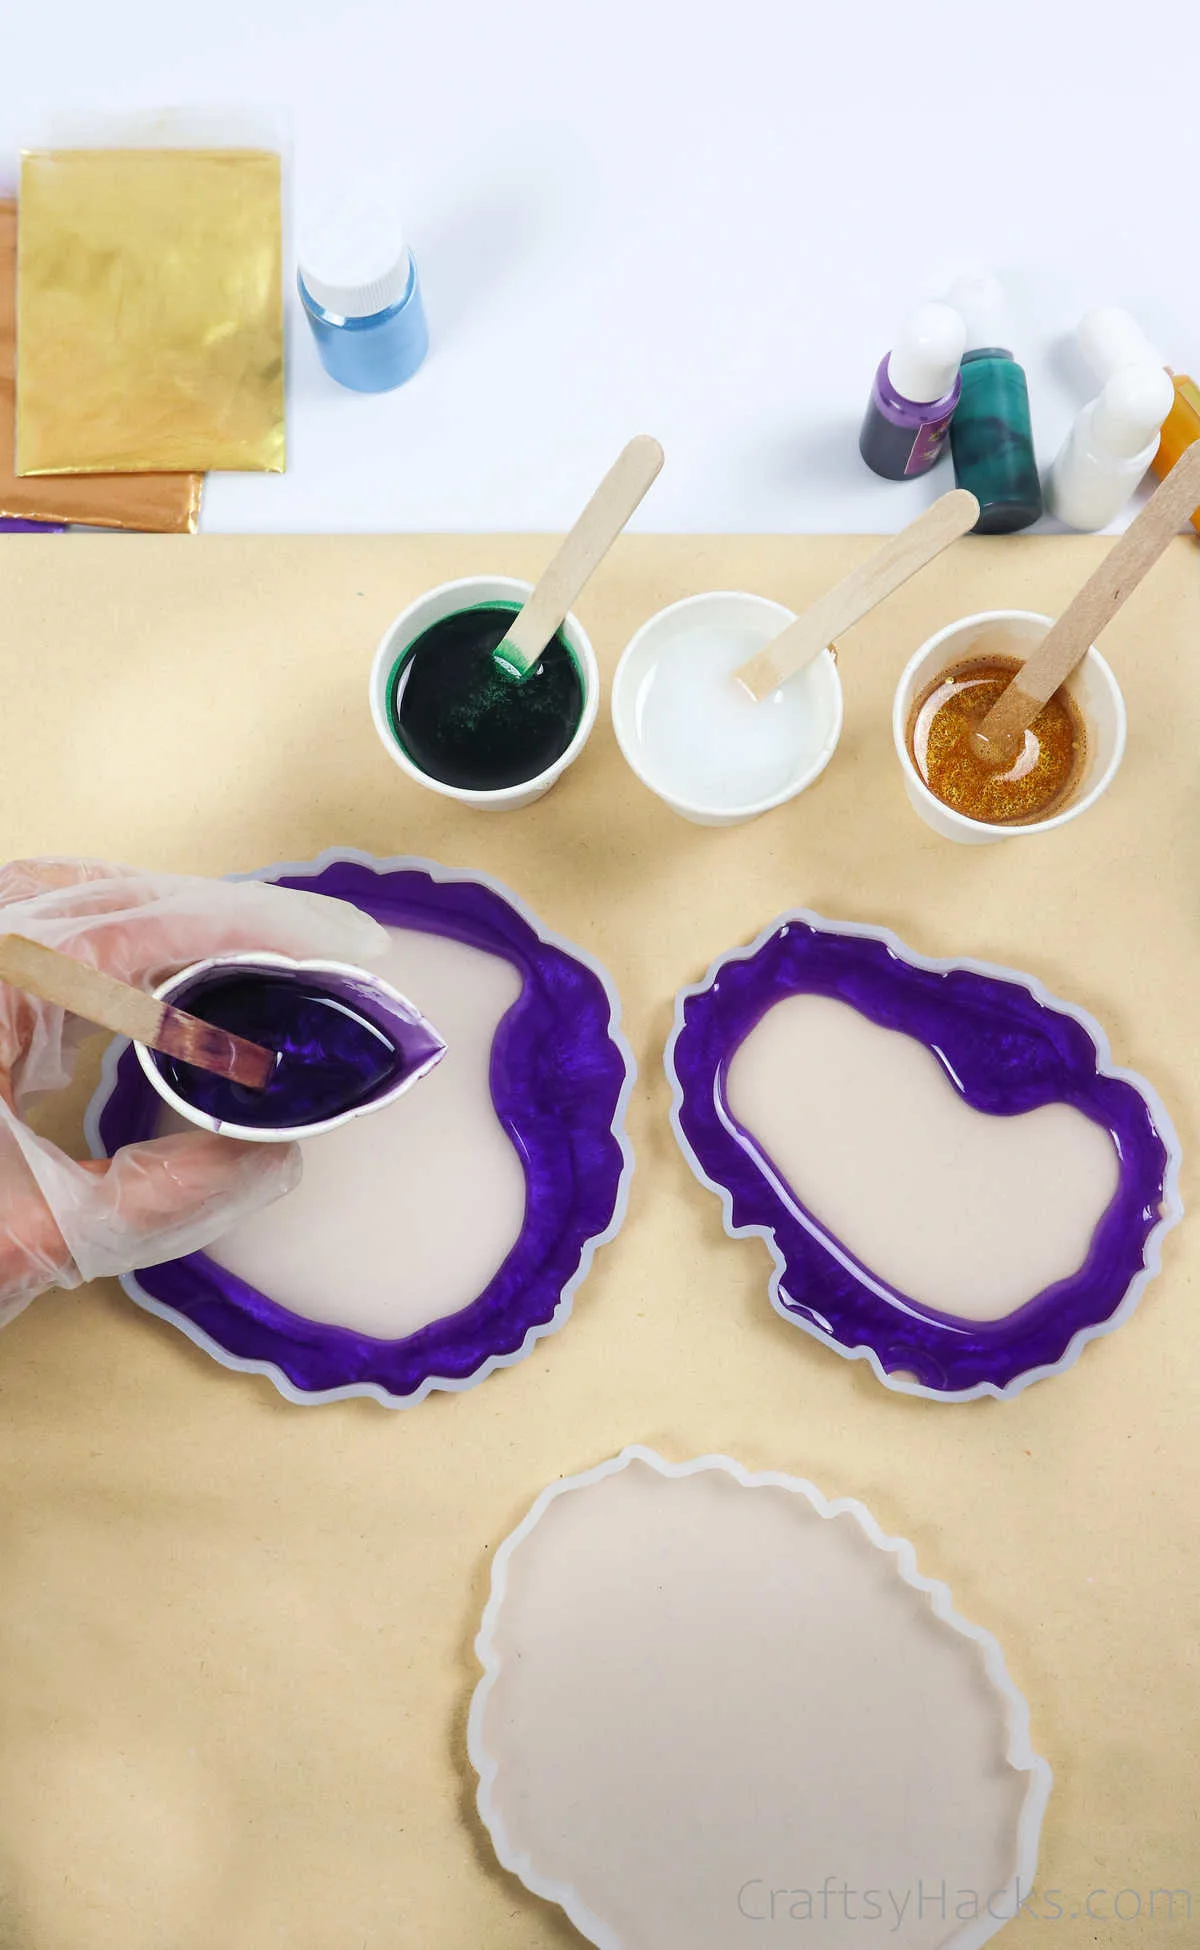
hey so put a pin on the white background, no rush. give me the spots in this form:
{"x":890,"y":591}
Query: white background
{"x":697,"y":220}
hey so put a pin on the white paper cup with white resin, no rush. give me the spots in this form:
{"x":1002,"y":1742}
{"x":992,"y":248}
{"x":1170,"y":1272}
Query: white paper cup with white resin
{"x":470,"y":592}
{"x":1091,"y":686}
{"x":809,"y":705}
{"x":376,"y":998}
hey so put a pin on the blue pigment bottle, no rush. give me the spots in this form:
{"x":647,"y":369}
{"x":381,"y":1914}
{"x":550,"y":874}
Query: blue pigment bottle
{"x":358,"y":285}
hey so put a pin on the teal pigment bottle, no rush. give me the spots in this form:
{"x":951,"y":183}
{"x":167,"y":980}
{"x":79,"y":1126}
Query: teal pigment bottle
{"x":991,"y":438}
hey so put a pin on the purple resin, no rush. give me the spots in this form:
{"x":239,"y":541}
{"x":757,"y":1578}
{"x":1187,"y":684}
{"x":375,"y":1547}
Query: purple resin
{"x":1007,"y":1047}
{"x":560,"y":1078}
{"x":17,"y":525}
{"x":342,"y":1043}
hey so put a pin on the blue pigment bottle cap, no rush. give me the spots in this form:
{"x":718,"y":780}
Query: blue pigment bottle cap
{"x":358,"y":284}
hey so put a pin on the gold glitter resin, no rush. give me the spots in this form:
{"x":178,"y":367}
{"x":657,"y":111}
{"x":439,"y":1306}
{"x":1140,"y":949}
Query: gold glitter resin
{"x":1039,"y":783}
{"x":150,"y":311}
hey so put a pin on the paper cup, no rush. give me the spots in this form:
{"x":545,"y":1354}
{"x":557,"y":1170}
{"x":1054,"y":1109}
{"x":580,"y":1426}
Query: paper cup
{"x":1091,"y":685}
{"x":445,"y":600}
{"x":358,"y":987}
{"x":743,"y":616}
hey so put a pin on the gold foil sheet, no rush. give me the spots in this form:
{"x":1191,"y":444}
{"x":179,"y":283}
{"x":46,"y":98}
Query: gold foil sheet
{"x":149,"y":311}
{"x":165,"y":504}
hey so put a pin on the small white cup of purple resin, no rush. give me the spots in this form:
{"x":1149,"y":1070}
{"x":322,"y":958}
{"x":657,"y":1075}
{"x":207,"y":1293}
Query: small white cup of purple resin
{"x":408,"y":1045}
{"x":392,"y":660}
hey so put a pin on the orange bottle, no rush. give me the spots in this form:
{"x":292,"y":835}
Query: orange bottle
{"x":1180,"y":428}
{"x":1110,"y":338}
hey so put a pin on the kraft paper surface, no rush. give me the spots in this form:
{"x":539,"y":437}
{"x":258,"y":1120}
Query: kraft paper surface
{"x":150,"y":311}
{"x":235,"y":1634}
{"x":166,"y":504}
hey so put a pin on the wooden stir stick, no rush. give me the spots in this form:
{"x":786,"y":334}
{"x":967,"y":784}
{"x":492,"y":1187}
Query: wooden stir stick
{"x":1067,"y":642}
{"x":851,"y":599}
{"x":616,"y":498}
{"x":127,"y":1011}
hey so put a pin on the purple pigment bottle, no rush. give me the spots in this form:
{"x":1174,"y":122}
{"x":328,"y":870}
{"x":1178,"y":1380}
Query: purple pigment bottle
{"x":916,"y":390}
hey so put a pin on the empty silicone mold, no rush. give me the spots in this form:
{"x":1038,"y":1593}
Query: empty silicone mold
{"x":714,"y":1701}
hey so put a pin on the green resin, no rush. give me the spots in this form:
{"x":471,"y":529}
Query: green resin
{"x":992,"y":442}
{"x":465,"y":720}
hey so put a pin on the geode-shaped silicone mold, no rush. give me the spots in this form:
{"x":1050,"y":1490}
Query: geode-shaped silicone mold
{"x":714,"y":1701}
{"x":953,"y":1179}
{"x":430,"y":1290}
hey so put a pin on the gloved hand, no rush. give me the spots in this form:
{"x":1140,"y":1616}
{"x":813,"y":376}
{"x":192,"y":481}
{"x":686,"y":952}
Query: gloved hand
{"x":63,"y":1222}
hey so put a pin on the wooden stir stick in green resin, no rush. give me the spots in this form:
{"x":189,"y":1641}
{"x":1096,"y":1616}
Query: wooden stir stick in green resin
{"x":997,"y":738}
{"x":884,"y":570}
{"x":616,"y":498}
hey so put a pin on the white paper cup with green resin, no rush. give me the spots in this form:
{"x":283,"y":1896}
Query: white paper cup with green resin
{"x":432,"y":722}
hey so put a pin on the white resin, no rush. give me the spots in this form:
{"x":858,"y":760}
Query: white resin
{"x":966,"y":1213}
{"x":703,"y":1687}
{"x":704,"y":738}
{"x":403,"y":1216}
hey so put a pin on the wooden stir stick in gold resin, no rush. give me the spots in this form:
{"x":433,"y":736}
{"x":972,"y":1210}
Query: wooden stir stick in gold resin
{"x":997,"y":738}
{"x":100,"y":998}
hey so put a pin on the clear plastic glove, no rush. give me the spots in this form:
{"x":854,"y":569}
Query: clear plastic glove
{"x":63,"y":1222}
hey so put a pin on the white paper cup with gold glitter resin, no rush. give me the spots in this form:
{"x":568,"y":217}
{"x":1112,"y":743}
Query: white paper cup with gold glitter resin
{"x":1093,"y":690}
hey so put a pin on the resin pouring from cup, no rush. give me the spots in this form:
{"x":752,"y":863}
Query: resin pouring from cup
{"x":496,"y":1182}
{"x":345,"y":1041}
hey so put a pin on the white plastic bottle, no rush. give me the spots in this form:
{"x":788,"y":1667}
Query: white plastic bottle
{"x":1109,"y":448}
{"x":1110,"y":338}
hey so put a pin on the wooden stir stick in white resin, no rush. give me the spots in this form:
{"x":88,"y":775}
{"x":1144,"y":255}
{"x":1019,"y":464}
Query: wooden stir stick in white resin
{"x":1068,"y":641}
{"x":859,"y":592}
{"x":620,"y":492}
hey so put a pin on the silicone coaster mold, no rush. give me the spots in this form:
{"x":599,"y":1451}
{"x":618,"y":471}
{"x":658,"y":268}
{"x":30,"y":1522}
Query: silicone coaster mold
{"x":714,"y":1700}
{"x":561,"y":1074}
{"x":1007,"y":1046}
